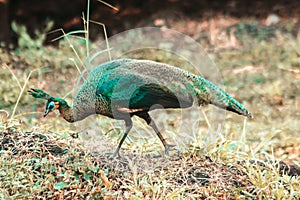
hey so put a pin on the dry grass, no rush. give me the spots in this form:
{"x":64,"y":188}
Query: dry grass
{"x":40,"y":164}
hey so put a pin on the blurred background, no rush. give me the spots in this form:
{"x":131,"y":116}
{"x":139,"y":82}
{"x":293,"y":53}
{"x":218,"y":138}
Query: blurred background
{"x":189,"y":17}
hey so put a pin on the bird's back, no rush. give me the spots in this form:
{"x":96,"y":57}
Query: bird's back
{"x":140,"y":84}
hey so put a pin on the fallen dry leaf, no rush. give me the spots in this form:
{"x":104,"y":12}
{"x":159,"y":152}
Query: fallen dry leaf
{"x":105,"y":180}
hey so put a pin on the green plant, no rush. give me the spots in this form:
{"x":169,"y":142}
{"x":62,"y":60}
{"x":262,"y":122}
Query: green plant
{"x":24,"y":38}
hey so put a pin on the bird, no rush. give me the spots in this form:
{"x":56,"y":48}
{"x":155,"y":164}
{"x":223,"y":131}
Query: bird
{"x":123,"y":88}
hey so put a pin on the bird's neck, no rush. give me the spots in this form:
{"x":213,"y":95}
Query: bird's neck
{"x":74,"y":113}
{"x":66,"y":111}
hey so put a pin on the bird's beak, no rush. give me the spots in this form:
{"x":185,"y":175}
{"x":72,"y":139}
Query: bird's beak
{"x":46,"y":112}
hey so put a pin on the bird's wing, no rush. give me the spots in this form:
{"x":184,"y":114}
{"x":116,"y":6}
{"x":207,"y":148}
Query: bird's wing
{"x":137,"y":92}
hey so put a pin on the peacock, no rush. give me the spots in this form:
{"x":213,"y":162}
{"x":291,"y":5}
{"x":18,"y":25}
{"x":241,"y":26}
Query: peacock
{"x":123,"y":88}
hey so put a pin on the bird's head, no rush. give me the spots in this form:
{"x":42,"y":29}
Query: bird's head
{"x":51,"y":105}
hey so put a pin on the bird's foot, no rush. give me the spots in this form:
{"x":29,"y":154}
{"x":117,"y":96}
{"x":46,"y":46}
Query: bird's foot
{"x":167,"y":149}
{"x":113,"y":154}
{"x":116,"y":154}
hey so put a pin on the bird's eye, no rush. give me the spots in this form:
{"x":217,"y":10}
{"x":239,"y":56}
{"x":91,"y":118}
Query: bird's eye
{"x":51,"y":106}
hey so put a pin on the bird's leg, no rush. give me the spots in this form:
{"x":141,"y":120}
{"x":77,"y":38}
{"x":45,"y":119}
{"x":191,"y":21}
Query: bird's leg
{"x":128,"y":124}
{"x":151,"y":123}
{"x":162,"y":139}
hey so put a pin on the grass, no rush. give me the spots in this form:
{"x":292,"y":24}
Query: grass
{"x":59,"y":166}
{"x":43,"y":158}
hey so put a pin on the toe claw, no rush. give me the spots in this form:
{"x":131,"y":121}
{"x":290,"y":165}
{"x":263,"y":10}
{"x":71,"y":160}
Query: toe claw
{"x":113,"y":154}
{"x":167,"y":149}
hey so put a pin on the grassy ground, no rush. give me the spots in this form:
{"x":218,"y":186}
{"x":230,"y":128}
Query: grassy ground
{"x":256,"y":159}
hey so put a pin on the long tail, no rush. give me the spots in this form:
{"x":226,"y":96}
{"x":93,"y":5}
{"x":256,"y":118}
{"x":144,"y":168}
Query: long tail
{"x":212,"y":94}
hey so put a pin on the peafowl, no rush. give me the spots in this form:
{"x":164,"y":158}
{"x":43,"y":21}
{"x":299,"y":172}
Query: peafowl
{"x":123,"y":88}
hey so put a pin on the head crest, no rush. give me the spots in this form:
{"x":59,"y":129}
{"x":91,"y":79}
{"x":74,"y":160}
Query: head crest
{"x":39,"y":94}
